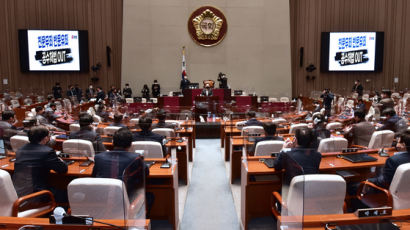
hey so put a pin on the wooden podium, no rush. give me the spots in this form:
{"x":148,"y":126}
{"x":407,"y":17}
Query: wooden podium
{"x":204,"y":104}
{"x":191,"y":94}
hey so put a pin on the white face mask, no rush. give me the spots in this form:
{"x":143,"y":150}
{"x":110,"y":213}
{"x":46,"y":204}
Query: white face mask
{"x":91,"y":87}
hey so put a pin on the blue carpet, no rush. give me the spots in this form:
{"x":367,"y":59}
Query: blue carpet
{"x":209,"y":203}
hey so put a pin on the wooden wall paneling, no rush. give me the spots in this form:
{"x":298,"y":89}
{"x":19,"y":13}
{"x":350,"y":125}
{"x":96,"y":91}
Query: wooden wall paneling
{"x":311,"y":17}
{"x":100,"y":17}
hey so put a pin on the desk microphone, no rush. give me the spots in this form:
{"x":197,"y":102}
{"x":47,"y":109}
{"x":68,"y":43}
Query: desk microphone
{"x":61,"y":217}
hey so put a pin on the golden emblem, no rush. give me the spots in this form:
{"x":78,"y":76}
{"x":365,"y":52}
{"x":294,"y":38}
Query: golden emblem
{"x":207,"y":25}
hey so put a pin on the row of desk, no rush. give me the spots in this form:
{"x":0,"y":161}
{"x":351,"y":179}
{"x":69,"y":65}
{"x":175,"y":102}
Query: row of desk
{"x":162,"y":182}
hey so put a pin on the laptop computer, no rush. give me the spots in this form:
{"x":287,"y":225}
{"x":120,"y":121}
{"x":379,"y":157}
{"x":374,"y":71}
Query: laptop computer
{"x":357,"y":158}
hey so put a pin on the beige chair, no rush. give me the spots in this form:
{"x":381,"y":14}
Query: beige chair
{"x":78,"y":147}
{"x":143,"y":100}
{"x":151,"y":149}
{"x":240,"y":124}
{"x":101,"y":198}
{"x":332,"y":144}
{"x":15,"y":104}
{"x":166,"y":132}
{"x":110,"y":130}
{"x":350,"y":103}
{"x":334,"y":126}
{"x":154,"y":100}
{"x":279,"y":120}
{"x":273,"y":99}
{"x":11,"y":205}
{"x":134,"y":121}
{"x":315,"y":194}
{"x":284,"y":99}
{"x":266,"y":148}
{"x":18,"y":141}
{"x":74,"y":127}
{"x":97,"y":118}
{"x":398,"y":194}
{"x":295,"y":127}
{"x":252,"y":131}
{"x":175,"y":123}
{"x":365,"y":97}
{"x":381,"y":139}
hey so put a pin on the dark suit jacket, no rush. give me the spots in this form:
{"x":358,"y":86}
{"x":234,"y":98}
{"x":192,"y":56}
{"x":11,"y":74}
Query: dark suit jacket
{"x":90,"y":93}
{"x":184,"y":84}
{"x":113,"y":163}
{"x":150,"y":136}
{"x":390,"y":167}
{"x":390,"y":124}
{"x":204,"y":92}
{"x":386,"y":103}
{"x":123,"y":165}
{"x":307,"y":159}
{"x":86,"y":133}
{"x":253,"y":122}
{"x":32,"y":167}
{"x":100,"y":96}
{"x":362,"y":133}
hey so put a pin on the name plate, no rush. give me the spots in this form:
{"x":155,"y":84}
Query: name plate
{"x":369,"y":212}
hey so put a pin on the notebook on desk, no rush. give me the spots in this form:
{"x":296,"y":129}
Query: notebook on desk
{"x":357,"y":158}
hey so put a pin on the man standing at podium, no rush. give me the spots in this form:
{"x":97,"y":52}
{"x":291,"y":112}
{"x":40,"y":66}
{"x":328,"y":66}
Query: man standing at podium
{"x":207,"y":91}
{"x":185,"y":83}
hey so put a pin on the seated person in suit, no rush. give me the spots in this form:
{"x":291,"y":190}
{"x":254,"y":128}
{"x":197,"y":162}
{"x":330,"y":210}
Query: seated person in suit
{"x":146,"y":134}
{"x":8,"y":120}
{"x":42,"y":120}
{"x":361,"y":132}
{"x":319,"y":130}
{"x":207,"y":91}
{"x":162,"y":115}
{"x":112,"y":164}
{"x":27,"y":125}
{"x":390,"y":121}
{"x":33,"y":164}
{"x":361,"y":105}
{"x":86,"y":132}
{"x":102,"y":112}
{"x":50,"y":113}
{"x":308,"y":158}
{"x":270,"y":131}
{"x":7,"y":127}
{"x":118,"y":121}
{"x":393,"y":162}
{"x":252,"y":120}
{"x":386,"y":101}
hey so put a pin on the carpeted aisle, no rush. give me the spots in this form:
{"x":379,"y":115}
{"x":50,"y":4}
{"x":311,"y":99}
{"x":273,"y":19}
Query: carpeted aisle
{"x":209,"y":203}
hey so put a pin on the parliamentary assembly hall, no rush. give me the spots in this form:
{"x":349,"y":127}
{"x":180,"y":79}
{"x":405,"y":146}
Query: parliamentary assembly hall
{"x":205,"y":114}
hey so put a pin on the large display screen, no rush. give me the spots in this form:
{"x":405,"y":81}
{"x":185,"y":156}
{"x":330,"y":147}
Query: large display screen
{"x":352,"y":51}
{"x":53,"y":50}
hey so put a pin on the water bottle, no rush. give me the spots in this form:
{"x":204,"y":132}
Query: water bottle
{"x":209,"y":115}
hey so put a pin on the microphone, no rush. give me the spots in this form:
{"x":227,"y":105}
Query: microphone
{"x":60,"y":214}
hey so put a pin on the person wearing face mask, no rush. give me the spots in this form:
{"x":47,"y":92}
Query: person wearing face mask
{"x":207,"y":91}
{"x":185,"y":83}
{"x":127,"y":91}
{"x":90,"y":92}
{"x":156,"y":89}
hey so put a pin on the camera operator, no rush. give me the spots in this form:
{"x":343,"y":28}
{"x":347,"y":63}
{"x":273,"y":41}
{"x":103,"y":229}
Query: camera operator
{"x":223,"y":81}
